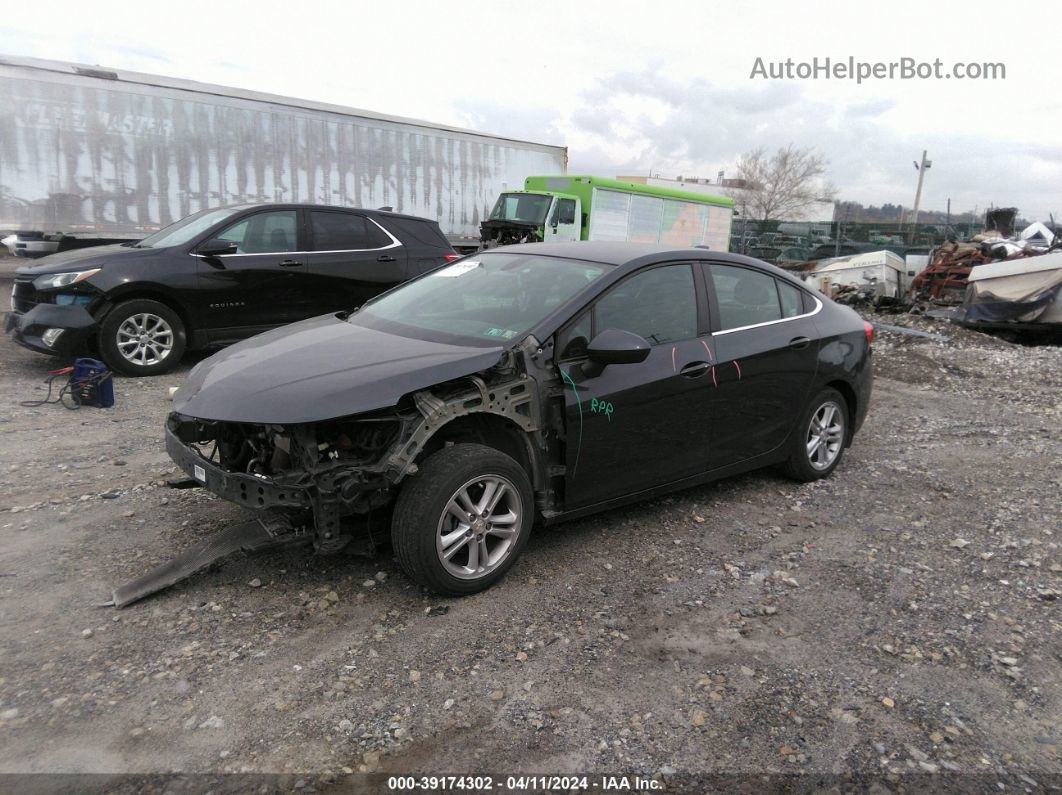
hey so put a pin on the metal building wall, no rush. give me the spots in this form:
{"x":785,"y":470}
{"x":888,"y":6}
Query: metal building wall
{"x":86,"y":155}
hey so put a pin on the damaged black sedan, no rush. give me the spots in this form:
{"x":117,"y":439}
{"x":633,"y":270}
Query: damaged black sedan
{"x":528,"y":384}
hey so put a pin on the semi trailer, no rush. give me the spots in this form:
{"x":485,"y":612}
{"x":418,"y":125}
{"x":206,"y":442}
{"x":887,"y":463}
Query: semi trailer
{"x":92,"y":155}
{"x":562,"y":208}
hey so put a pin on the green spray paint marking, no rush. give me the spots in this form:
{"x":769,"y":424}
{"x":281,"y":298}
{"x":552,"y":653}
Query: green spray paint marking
{"x":601,"y":407}
{"x":579,"y":403}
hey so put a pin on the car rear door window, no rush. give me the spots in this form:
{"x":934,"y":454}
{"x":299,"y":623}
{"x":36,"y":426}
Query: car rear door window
{"x":264,"y":233}
{"x":659,"y":304}
{"x":345,"y":232}
{"x":790,"y":298}
{"x":746,"y":296}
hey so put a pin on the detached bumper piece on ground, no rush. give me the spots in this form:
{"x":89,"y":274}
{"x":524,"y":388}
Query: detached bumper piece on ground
{"x":261,"y":533}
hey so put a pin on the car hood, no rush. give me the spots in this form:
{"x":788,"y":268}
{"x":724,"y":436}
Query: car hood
{"x":320,"y":369}
{"x":83,"y":259}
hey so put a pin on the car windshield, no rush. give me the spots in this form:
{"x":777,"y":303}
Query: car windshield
{"x":188,"y":227}
{"x":528,"y":208}
{"x":491,"y":296}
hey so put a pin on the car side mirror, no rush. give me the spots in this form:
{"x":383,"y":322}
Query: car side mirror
{"x":216,"y":248}
{"x":613,"y":346}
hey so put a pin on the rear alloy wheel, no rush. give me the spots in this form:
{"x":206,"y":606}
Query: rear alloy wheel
{"x":819,"y":441}
{"x":463,"y":519}
{"x":142,"y":337}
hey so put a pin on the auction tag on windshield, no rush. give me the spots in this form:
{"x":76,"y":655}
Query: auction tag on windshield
{"x":458,"y":268}
{"x":200,"y":473}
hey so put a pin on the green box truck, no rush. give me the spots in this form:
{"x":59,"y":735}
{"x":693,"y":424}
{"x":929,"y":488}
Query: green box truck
{"x":596,"y":208}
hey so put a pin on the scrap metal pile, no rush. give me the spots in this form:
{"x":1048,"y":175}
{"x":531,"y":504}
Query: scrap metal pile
{"x":945,"y":278}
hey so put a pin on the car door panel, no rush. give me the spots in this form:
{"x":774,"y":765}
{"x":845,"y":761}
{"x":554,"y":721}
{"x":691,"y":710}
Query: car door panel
{"x":635,"y":426}
{"x":261,"y":285}
{"x":764,"y":371}
{"x":353,"y":259}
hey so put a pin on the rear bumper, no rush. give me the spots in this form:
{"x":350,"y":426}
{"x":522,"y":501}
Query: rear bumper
{"x":251,"y":491}
{"x":864,"y":386}
{"x":28,"y":328}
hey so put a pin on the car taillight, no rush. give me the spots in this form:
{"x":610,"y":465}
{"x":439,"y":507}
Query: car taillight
{"x":451,"y":257}
{"x":869,"y":329}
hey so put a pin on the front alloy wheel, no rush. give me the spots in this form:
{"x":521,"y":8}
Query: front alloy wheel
{"x":479,"y":527}
{"x":142,"y":337}
{"x":145,"y":339}
{"x":462,"y":520}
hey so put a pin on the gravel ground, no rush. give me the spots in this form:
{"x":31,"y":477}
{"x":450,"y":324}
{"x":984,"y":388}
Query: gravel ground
{"x":898,"y":621}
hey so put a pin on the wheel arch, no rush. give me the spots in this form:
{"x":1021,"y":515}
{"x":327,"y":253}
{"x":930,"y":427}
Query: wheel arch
{"x":163,"y":297}
{"x":491,"y":430}
{"x":851,"y":403}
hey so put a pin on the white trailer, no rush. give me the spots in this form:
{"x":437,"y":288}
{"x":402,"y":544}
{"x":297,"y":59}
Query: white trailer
{"x":101,"y":154}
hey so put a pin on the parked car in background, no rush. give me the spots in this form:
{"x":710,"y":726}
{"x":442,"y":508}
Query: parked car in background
{"x":216,"y":277}
{"x":529,"y":383}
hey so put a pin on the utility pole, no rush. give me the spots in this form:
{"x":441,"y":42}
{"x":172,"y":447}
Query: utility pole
{"x":921,"y":168}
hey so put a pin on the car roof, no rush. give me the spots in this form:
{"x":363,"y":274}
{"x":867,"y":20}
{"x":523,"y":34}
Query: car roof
{"x":304,"y":206}
{"x":636,"y":254}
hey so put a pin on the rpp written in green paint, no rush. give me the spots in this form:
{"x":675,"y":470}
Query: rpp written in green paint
{"x":601,"y":407}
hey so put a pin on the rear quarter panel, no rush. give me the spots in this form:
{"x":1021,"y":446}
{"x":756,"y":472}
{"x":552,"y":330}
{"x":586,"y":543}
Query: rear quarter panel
{"x":845,"y":355}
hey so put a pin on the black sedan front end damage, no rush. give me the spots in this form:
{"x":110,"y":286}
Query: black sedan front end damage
{"x":315,"y":474}
{"x":332,"y":479}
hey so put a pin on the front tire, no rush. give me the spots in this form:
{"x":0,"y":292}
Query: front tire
{"x":819,"y":439}
{"x":460,"y":523}
{"x":142,"y":337}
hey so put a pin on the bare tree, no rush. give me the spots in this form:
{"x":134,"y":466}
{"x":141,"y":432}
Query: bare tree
{"x":782,"y":184}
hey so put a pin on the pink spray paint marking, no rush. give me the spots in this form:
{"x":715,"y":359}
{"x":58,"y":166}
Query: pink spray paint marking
{"x":738,"y":366}
{"x":714,"y":382}
{"x":707,"y":350}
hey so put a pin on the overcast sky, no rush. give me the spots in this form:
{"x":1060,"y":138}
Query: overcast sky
{"x":629,"y":87}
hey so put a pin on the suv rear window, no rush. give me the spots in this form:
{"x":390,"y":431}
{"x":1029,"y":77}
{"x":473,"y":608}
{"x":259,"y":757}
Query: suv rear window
{"x":345,"y":232}
{"x":424,"y":232}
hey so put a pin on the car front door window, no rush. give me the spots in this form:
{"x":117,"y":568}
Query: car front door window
{"x":264,"y":233}
{"x":659,"y":305}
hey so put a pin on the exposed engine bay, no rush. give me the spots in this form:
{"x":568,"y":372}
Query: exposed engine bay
{"x":333,"y":478}
{"x":507,"y":233}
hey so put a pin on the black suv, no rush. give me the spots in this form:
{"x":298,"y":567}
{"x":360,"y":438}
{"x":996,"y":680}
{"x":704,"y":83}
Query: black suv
{"x":216,"y":277}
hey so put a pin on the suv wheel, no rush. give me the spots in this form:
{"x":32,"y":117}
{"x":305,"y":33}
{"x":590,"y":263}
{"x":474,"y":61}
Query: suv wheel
{"x":142,"y":337}
{"x":463,"y":519}
{"x":819,"y":438}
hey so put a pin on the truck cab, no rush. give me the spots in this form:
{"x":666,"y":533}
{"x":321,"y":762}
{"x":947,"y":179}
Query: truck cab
{"x":527,"y":216}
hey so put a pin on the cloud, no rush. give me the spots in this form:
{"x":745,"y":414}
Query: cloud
{"x":634,"y":120}
{"x":870,"y":108}
{"x":527,"y":123}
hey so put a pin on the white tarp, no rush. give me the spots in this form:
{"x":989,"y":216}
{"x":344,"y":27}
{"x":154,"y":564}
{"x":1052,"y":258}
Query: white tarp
{"x":1026,"y":290}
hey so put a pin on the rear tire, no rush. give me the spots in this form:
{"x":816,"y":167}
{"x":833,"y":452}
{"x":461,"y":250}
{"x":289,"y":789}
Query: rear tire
{"x":819,"y":439}
{"x":461,"y":522}
{"x":142,"y":337}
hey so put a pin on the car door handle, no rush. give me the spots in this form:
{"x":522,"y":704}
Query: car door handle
{"x":799,"y":343}
{"x":290,"y":263}
{"x":385,"y":258}
{"x":695,"y":369}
